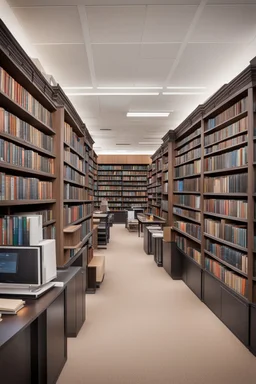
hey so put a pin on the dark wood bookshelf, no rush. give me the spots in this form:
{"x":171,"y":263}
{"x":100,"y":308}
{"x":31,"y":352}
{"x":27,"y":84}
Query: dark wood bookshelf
{"x":226,"y":138}
{"x":187,"y":176}
{"x":233,"y":218}
{"x":187,"y":217}
{"x":228,"y":243}
{"x":188,"y":150}
{"x":187,"y":161}
{"x":186,"y":193}
{"x":177,"y":147}
{"x":26,"y":202}
{"x":186,"y":207}
{"x":28,"y":171}
{"x":227,"y":149}
{"x":49,"y":222}
{"x":226,"y":170}
{"x":230,"y":266}
{"x":187,"y":235}
{"x":74,"y":167}
{"x":226,"y":123}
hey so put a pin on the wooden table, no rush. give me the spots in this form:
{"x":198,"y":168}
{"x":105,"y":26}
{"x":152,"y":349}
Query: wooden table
{"x":144,"y":220}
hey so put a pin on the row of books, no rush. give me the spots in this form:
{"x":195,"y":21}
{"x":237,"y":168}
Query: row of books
{"x":192,"y":144}
{"x":235,"y":258}
{"x":134,"y":194}
{"x":236,"y":234}
{"x":225,"y":133}
{"x":165,"y":176}
{"x":112,"y":179}
{"x":230,"y":112}
{"x":236,"y":208}
{"x":237,"y":283}
{"x":137,"y":199}
{"x":110,"y":174}
{"x":74,"y":193}
{"x":134,"y":178}
{"x":165,"y":188}
{"x":189,"y":137}
{"x":195,"y":153}
{"x":159,"y":164}
{"x":17,"y":230}
{"x":128,"y":173}
{"x":16,"y":127}
{"x":49,"y":232}
{"x":165,"y":166}
{"x":47,"y":215}
{"x":71,"y":138}
{"x":71,"y":174}
{"x":24,"y":188}
{"x":109,"y":188}
{"x":188,"y":169}
{"x":109,"y":193}
{"x":192,"y":252}
{"x":75,"y":212}
{"x":155,"y":211}
{"x":164,"y":205}
{"x":187,"y":185}
{"x":189,"y":200}
{"x":227,"y":144}
{"x":19,"y":156}
{"x":190,"y":228}
{"x":102,"y":167}
{"x":22,"y":97}
{"x":232,"y":159}
{"x":132,"y":188}
{"x":164,"y":215}
{"x":134,"y":167}
{"x":75,"y":160}
{"x":186,"y":212}
{"x":236,"y":183}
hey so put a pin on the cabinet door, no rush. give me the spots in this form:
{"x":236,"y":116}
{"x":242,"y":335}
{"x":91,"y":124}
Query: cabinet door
{"x":80,"y":299}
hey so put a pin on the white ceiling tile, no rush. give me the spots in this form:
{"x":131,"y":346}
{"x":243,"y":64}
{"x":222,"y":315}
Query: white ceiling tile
{"x":153,"y":71}
{"x":168,"y":23}
{"x":116,"y":24}
{"x":235,"y":24}
{"x":86,"y":106}
{"x":159,"y":51}
{"x":51,"y":24}
{"x":119,"y":105}
{"x":66,"y":63}
{"x":115,"y":64}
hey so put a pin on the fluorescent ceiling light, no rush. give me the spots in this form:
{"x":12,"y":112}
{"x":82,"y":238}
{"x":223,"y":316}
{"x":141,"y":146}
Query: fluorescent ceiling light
{"x":186,"y":87}
{"x":148,"y":114}
{"x":130,"y":87}
{"x":150,"y":142}
{"x":182,"y":93}
{"x":76,"y":88}
{"x":113,"y":94}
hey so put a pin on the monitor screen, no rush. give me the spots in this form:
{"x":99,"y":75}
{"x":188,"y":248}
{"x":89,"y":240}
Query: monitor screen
{"x":8,"y":262}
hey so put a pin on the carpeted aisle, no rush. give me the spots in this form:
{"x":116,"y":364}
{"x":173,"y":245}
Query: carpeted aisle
{"x":144,"y":328}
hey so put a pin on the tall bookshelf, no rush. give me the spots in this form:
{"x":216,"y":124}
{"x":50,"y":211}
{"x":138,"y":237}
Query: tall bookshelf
{"x":123,"y":185}
{"x":43,"y":163}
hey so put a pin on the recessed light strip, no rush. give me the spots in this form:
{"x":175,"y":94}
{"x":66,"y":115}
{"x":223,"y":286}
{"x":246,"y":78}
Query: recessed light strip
{"x":148,"y":114}
{"x":113,"y":94}
{"x":142,"y":87}
{"x":69,"y":88}
{"x":182,"y":93}
{"x":186,"y":87}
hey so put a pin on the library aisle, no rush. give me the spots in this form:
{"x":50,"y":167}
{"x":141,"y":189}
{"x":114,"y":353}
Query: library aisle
{"x":144,"y":328}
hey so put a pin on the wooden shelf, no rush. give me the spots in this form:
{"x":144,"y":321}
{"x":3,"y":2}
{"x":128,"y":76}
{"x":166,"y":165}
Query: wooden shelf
{"x":226,"y":170}
{"x":187,"y":235}
{"x":78,"y":221}
{"x":188,"y":177}
{"x":73,"y":150}
{"x":26,"y":202}
{"x":73,"y":182}
{"x":212,"y":194}
{"x":193,"y":138}
{"x":186,"y":207}
{"x":225,"y":217}
{"x":11,"y":106}
{"x":189,"y":257}
{"x":26,"y":144}
{"x":71,"y":201}
{"x":71,"y":229}
{"x":25,"y":170}
{"x":49,"y":222}
{"x":227,"y":149}
{"x":188,"y":150}
{"x":187,"y":217}
{"x":226,"y":123}
{"x":232,"y":245}
{"x":186,"y":193}
{"x":230,"y":266}
{"x":226,"y":138}
{"x":187,"y":161}
{"x":73,"y":167}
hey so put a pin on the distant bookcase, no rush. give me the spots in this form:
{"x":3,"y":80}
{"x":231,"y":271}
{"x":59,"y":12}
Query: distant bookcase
{"x":123,"y":185}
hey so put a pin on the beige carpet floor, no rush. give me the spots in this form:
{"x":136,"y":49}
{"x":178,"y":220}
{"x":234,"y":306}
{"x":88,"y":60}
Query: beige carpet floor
{"x":144,"y":328}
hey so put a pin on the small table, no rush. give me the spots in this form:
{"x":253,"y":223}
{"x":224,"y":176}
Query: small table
{"x":144,"y":220}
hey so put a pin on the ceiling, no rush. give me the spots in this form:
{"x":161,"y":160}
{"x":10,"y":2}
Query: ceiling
{"x":177,"y":43}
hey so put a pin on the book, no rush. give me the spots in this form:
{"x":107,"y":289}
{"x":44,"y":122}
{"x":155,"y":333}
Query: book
{"x":11,"y":306}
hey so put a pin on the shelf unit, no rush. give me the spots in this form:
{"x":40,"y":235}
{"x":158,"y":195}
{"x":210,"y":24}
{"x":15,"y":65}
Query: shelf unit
{"x":123,"y":185}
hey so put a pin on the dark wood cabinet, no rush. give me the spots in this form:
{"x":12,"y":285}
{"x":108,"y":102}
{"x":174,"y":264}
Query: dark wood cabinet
{"x":172,"y":262}
{"x":252,"y":342}
{"x":212,"y":293}
{"x":191,"y":273}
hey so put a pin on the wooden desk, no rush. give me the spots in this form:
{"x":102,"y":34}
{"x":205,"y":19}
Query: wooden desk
{"x":144,"y":220}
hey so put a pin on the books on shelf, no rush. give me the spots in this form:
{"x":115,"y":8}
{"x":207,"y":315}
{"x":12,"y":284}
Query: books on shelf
{"x":231,"y":130}
{"x":189,"y":214}
{"x":189,"y":137}
{"x":236,"y":234}
{"x":192,"y":252}
{"x":11,"y":306}
{"x":236,"y":208}
{"x":74,"y":141}
{"x":235,"y":258}
{"x":23,"y":98}
{"x":74,"y":193}
{"x":236,"y":183}
{"x":76,"y":212}
{"x":227,"y":160}
{"x":21,"y":157}
{"x":229,"y":113}
{"x":71,"y":174}
{"x":188,"y":169}
{"x":243,"y":139}
{"x":187,"y":185}
{"x":22,"y":188}
{"x":231,"y":279}
{"x":190,"y":228}
{"x":165,"y":188}
{"x":74,"y":160}
{"x":164,"y":205}
{"x":188,"y":200}
{"x":18,"y":128}
{"x":189,"y":156}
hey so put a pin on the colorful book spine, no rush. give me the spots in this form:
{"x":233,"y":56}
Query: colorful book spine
{"x":235,"y":208}
{"x":236,"y":183}
{"x":232,"y":233}
{"x":227,"y":160}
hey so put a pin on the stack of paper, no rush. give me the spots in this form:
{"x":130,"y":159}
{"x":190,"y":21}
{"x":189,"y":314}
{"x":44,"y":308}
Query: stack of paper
{"x":10,"y":306}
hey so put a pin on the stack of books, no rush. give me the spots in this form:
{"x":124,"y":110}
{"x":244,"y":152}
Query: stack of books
{"x":10,"y":306}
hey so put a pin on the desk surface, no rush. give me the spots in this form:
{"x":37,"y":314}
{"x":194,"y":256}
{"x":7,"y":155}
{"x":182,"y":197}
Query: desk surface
{"x":144,"y":220}
{"x":11,"y":325}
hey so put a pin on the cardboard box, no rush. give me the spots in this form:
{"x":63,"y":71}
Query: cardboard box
{"x":167,"y":234}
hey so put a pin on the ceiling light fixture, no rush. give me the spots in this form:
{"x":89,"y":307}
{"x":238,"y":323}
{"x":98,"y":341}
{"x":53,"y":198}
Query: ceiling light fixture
{"x":69,"y":88}
{"x":186,"y":87}
{"x":150,"y":142}
{"x":148,"y":114}
{"x":130,"y":87}
{"x":113,"y":94}
{"x":182,"y":93}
